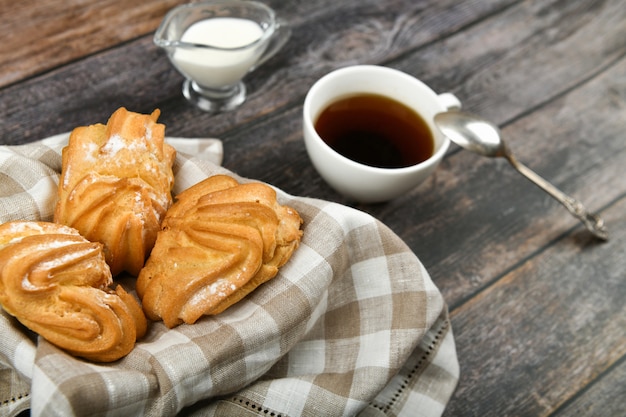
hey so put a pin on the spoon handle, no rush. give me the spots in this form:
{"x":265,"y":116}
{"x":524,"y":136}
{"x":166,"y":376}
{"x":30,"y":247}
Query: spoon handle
{"x":592,"y":222}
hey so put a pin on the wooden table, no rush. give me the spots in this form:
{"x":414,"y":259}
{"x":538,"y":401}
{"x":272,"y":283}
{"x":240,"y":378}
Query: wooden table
{"x":538,"y":306}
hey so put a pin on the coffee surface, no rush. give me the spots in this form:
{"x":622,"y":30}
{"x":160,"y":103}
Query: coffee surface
{"x":375,"y":130}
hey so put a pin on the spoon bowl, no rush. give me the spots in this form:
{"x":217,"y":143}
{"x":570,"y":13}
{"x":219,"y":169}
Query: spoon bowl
{"x":483,"y":137}
{"x":469,"y":132}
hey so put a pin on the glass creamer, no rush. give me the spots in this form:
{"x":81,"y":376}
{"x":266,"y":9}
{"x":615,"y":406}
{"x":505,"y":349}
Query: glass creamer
{"x":215,"y":44}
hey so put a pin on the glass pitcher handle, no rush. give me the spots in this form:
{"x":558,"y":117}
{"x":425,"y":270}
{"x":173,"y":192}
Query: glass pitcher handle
{"x":279,"y":38}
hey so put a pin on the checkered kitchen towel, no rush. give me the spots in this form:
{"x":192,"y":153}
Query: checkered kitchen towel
{"x":352,"y":325}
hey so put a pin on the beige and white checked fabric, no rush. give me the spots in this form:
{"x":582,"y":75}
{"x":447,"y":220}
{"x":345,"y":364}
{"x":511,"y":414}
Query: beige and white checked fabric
{"x":352,"y":325}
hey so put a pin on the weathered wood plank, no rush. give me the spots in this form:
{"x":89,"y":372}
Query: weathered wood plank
{"x":602,"y":398}
{"x":40,"y":35}
{"x":544,"y":331}
{"x":576,"y":142}
{"x":516,"y":60}
{"x":81,"y":93}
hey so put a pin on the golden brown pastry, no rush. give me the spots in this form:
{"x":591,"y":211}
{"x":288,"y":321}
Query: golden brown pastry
{"x":219,"y":241}
{"x":56,"y":283}
{"x":115,"y":186}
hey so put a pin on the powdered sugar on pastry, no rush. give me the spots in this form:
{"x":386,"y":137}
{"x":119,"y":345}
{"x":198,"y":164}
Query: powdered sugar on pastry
{"x":116,"y":186}
{"x":218,"y":242}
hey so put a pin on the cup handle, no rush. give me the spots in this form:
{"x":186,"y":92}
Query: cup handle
{"x":449,"y":101}
{"x":279,"y":38}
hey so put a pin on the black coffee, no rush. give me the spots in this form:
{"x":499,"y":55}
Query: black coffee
{"x":375,"y":130}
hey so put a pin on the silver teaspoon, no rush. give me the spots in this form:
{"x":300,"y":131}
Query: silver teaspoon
{"x":483,"y":137}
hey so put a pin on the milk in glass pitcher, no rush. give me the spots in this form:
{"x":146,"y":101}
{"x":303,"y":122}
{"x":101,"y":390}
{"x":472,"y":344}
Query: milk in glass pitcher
{"x":214,"y":44}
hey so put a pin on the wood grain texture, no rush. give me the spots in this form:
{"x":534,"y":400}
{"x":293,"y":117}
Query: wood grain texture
{"x":515,"y":61}
{"x":537,"y":305}
{"x":279,"y":84}
{"x":543,"y":331}
{"x":578,"y":149}
{"x":41,"y":35}
{"x":602,"y":398}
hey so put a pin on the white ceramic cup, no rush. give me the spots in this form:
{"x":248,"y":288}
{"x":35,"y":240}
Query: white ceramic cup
{"x":360,"y":182}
